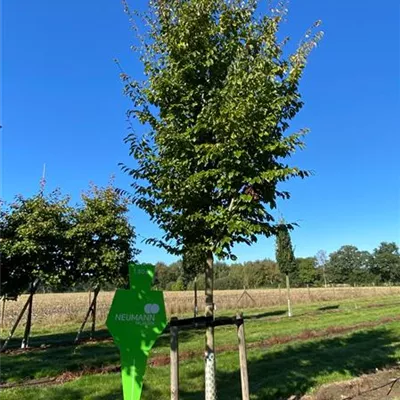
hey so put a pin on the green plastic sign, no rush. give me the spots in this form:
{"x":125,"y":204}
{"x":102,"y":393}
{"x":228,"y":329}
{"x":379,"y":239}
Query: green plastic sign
{"x":136,"y":319}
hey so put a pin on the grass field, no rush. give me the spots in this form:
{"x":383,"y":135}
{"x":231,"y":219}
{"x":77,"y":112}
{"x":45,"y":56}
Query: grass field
{"x":325,"y":341}
{"x":66,"y":308}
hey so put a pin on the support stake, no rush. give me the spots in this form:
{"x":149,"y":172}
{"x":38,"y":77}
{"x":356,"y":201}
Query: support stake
{"x":174,"y":361}
{"x":244,"y":377}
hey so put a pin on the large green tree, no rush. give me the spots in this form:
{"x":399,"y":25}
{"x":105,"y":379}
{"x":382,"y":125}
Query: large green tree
{"x":348,"y":265}
{"x":216,"y":103}
{"x":285,"y":258}
{"x":385,"y":262}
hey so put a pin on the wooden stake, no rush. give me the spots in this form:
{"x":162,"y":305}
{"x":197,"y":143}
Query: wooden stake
{"x":25,"y":340}
{"x":2,"y":314}
{"x":89,"y":311}
{"x":34,"y":287}
{"x":244,"y":377}
{"x":195,"y":297}
{"x":94,"y":309}
{"x":174,"y":361}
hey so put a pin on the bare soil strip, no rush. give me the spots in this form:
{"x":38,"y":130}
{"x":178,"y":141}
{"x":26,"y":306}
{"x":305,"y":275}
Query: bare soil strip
{"x":383,"y":384}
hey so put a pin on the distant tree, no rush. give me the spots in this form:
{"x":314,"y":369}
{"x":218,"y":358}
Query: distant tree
{"x":285,"y":258}
{"x":217,"y":101}
{"x":161,"y":275}
{"x":348,"y":265}
{"x":321,"y":260}
{"x":306,"y":273}
{"x":166,"y":276}
{"x":385,"y":262}
{"x":193,"y":264}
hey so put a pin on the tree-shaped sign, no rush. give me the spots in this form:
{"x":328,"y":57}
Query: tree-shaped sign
{"x":136,"y":319}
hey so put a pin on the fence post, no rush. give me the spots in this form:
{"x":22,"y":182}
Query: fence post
{"x":244,"y":377}
{"x":174,"y":360}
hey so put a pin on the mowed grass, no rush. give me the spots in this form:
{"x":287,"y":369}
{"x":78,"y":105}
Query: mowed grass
{"x":276,"y":370}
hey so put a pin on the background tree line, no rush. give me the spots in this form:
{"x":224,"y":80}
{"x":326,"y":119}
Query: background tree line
{"x":348,"y":265}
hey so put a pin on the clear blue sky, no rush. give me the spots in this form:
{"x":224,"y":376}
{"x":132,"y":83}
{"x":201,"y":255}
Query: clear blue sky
{"x":62,"y":105}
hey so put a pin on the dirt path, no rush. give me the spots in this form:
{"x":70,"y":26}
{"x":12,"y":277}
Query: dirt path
{"x":382,"y":385}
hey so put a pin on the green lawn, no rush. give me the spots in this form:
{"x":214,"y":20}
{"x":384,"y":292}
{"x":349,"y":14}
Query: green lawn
{"x":275,"y":371}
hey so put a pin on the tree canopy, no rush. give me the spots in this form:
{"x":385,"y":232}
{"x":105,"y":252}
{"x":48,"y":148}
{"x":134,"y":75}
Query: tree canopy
{"x":216,"y":104}
{"x":103,"y":237}
{"x":34,"y":242}
{"x":348,"y":265}
{"x":43,"y":237}
{"x":385,"y":262}
{"x":284,"y":251}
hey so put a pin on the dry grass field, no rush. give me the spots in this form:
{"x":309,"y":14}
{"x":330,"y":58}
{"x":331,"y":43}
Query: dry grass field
{"x":60,"y":308}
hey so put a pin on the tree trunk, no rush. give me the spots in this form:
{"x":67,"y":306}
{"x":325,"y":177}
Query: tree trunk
{"x":25,"y":340}
{"x":288,"y":296}
{"x":324,"y":274}
{"x":209,"y":356}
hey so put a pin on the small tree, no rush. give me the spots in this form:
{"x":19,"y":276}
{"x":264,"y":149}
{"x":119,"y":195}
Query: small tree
{"x":34,"y":247}
{"x":285,"y":258}
{"x":217,"y":100}
{"x":103,"y":241}
{"x":103,"y":237}
{"x":321,"y":259}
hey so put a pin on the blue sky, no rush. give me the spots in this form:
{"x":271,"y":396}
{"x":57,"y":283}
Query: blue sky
{"x":62,"y":105}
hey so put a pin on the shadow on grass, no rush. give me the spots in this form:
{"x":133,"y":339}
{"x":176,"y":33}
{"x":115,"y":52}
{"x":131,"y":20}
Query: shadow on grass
{"x":296,"y":369}
{"x":276,"y":373}
{"x":56,"y":339}
{"x":53,"y":361}
{"x":329,"y":308}
{"x":265,"y":314}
